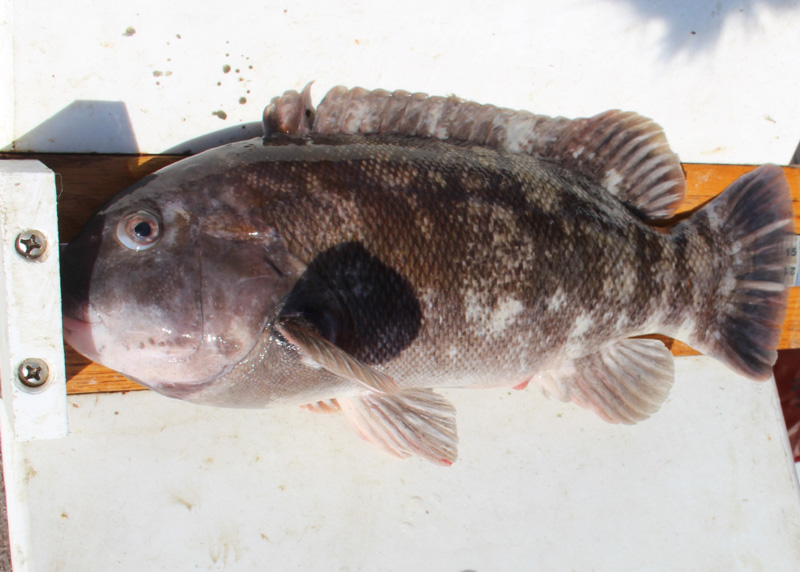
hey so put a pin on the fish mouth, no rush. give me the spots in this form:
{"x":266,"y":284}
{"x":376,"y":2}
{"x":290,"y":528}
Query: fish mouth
{"x":74,"y":310}
{"x":78,"y":333}
{"x":139,"y":355}
{"x":78,"y":320}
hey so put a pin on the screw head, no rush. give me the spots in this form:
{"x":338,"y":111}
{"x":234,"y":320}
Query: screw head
{"x":31,"y":244}
{"x":33,"y":372}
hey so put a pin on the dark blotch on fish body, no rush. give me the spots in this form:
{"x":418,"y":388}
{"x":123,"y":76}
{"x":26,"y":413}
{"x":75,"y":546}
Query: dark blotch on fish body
{"x":352,"y":298}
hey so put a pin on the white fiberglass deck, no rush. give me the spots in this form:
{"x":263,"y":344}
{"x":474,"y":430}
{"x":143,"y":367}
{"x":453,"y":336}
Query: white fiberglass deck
{"x":148,"y":483}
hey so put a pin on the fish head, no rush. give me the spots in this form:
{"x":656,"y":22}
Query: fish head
{"x":169,"y":288}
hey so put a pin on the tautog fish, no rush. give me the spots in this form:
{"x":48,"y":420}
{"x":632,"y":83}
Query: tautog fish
{"x":386,"y":244}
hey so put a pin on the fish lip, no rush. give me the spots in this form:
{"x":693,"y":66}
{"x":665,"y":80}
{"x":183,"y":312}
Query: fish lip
{"x":79,"y":310}
{"x":78,"y":334}
{"x":72,"y":324}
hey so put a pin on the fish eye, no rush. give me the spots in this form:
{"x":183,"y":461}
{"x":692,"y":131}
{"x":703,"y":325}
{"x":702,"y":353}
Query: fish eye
{"x":139,"y":231}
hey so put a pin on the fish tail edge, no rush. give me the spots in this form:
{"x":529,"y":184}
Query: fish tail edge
{"x":751,"y":221}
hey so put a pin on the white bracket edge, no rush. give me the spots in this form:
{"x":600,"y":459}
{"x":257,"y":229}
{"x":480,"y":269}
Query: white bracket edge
{"x":30,"y":303}
{"x":7,"y":109}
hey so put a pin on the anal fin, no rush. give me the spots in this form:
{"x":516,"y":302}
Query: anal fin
{"x":411,"y":422}
{"x":325,"y":406}
{"x":521,"y":386}
{"x":625,"y":382}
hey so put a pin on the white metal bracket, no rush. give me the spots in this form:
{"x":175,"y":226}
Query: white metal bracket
{"x":32,"y":372}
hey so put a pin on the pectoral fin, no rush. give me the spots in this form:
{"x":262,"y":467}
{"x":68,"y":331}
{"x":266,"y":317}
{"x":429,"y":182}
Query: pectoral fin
{"x":411,"y":422}
{"x":623,"y":383}
{"x":335,"y":359}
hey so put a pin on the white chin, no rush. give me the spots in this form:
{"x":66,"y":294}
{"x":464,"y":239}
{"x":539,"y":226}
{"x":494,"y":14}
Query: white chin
{"x":139,"y":356}
{"x":78,"y":334}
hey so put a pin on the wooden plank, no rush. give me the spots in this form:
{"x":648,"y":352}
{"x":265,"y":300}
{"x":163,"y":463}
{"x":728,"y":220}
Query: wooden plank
{"x":87,"y":181}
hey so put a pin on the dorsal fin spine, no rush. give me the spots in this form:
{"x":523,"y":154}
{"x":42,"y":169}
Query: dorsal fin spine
{"x":631,"y":154}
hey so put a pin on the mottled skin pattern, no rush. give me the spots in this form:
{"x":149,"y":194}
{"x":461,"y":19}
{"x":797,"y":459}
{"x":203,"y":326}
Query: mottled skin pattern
{"x":391,"y":243}
{"x":441,"y":265}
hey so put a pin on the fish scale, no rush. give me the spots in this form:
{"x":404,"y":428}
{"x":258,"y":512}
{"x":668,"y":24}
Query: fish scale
{"x":466,"y":225}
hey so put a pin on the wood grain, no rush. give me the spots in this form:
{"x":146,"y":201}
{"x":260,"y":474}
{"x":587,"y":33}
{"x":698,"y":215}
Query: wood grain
{"x":87,"y":181}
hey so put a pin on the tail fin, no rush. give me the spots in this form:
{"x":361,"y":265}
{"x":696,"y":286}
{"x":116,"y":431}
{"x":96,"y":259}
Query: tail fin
{"x":752,"y":219}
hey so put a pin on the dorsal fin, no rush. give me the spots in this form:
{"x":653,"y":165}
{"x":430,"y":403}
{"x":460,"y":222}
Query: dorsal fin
{"x":625,"y":153}
{"x":629,"y":156}
{"x":290,"y":113}
{"x":622,"y":151}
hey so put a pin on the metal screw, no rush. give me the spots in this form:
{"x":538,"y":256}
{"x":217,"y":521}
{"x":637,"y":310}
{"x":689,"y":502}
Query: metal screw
{"x":31,"y":244}
{"x":33,"y":372}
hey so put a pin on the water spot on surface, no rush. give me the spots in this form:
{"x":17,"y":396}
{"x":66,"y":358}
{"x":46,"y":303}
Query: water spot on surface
{"x":416,"y":511}
{"x":226,"y":68}
{"x":129,"y":31}
{"x":157,"y":73}
{"x":221,"y":114}
{"x":181,"y":501}
{"x":30,"y":472}
{"x":242,"y":100}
